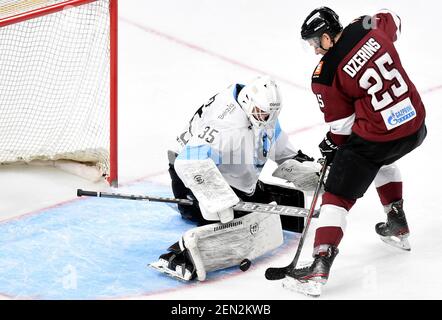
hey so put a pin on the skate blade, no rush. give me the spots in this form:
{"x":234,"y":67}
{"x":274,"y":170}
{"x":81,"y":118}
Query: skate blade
{"x":397,"y":242}
{"x":161,"y":266}
{"x":308,"y":288}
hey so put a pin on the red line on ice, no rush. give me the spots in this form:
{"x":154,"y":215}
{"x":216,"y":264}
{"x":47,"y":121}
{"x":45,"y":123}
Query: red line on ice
{"x":209,"y":52}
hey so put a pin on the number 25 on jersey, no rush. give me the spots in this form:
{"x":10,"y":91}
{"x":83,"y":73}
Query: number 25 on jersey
{"x":372,"y":81}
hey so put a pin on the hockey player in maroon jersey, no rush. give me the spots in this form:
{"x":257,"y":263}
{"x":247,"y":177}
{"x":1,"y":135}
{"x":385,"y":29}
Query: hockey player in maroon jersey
{"x":376,"y":116}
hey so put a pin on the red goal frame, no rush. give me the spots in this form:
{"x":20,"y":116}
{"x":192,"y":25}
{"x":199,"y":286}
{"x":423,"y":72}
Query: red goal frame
{"x":113,"y":13}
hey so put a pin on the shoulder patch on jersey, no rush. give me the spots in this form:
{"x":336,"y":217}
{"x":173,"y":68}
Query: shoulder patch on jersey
{"x":350,"y":37}
{"x":318,"y":70}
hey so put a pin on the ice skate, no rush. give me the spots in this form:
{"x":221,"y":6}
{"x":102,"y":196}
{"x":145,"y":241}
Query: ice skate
{"x":395,"y":231}
{"x":175,"y":264}
{"x":309,"y":288}
{"x":310,"y":279}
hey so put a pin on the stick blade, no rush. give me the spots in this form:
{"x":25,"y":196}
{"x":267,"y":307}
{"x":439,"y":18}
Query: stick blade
{"x":308,"y":288}
{"x":276,"y":273}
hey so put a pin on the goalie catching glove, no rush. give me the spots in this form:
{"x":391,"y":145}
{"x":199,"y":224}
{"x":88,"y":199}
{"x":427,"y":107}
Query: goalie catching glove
{"x":304,"y":176}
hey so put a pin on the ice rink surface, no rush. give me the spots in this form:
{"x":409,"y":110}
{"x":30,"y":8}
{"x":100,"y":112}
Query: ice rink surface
{"x":175,"y":54}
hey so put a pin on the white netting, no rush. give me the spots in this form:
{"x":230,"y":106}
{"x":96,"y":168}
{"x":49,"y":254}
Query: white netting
{"x":13,"y":7}
{"x":54,"y":84}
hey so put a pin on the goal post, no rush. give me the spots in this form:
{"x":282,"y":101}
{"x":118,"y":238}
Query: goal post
{"x":59,"y":83}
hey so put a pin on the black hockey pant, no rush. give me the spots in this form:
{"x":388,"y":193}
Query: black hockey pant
{"x":358,"y":161}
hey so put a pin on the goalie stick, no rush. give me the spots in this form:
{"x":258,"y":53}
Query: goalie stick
{"x":240,"y":206}
{"x":280,"y":273}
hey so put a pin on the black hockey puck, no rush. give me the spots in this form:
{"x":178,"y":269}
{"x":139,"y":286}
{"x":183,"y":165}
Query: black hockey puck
{"x":245,"y":265}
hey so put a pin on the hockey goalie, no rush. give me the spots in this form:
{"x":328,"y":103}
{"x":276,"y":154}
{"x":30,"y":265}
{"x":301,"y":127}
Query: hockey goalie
{"x":217,"y":162}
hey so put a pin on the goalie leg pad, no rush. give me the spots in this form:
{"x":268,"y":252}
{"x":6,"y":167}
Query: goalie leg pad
{"x":218,"y":246}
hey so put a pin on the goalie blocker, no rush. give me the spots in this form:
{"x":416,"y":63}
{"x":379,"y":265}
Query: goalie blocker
{"x":264,"y":193}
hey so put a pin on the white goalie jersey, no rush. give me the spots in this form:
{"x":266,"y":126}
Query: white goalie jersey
{"x":221,"y":131}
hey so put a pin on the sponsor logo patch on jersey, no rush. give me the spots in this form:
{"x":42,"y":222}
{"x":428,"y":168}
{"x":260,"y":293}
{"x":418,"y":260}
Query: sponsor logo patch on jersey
{"x":399,"y":114}
{"x":318,"y":70}
{"x":230,"y":108}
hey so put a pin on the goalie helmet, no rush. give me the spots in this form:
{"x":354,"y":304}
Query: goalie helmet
{"x":261,"y":101}
{"x":319,"y":21}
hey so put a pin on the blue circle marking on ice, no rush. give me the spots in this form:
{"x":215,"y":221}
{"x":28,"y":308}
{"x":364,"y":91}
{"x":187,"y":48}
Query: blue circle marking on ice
{"x":91,"y":249}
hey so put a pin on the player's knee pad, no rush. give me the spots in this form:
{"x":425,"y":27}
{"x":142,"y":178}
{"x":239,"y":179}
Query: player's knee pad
{"x":218,"y":246}
{"x":388,"y":174}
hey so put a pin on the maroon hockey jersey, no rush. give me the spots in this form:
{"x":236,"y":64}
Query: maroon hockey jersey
{"x":362,"y":87}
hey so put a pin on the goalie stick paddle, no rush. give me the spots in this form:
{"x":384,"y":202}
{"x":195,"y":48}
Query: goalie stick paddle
{"x":240,"y":206}
{"x":280,"y":273}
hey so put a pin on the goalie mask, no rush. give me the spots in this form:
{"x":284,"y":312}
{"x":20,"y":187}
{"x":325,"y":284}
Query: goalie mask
{"x":261,"y":101}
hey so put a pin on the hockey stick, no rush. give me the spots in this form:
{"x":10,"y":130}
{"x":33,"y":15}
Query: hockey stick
{"x":240,"y":206}
{"x":81,"y":193}
{"x":280,"y":273}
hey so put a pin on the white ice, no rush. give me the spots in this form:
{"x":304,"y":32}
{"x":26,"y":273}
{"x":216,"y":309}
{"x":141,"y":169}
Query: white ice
{"x":176,"y":54}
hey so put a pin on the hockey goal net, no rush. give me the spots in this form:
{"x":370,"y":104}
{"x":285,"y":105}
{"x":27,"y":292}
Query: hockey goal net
{"x":58,"y":83}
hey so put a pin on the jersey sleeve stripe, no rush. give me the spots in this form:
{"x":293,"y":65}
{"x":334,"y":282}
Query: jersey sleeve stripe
{"x":342,"y":126}
{"x":200,"y":152}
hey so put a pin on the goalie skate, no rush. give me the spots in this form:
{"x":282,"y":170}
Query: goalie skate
{"x":400,"y":242}
{"x":175,"y":263}
{"x":308,"y":287}
{"x":179,"y":273}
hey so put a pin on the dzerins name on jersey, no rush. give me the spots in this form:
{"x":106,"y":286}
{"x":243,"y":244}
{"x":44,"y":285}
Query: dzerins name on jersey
{"x":361,"y":86}
{"x":361,"y":57}
{"x":220,"y":130}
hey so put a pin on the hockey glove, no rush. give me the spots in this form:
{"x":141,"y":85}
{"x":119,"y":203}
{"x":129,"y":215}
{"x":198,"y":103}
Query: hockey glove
{"x":224,"y":215}
{"x":328,"y":148}
{"x":301,"y":157}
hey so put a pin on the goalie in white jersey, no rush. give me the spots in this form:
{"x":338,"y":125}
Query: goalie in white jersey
{"x":217,"y":163}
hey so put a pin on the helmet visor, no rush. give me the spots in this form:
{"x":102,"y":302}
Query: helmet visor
{"x":315,"y":42}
